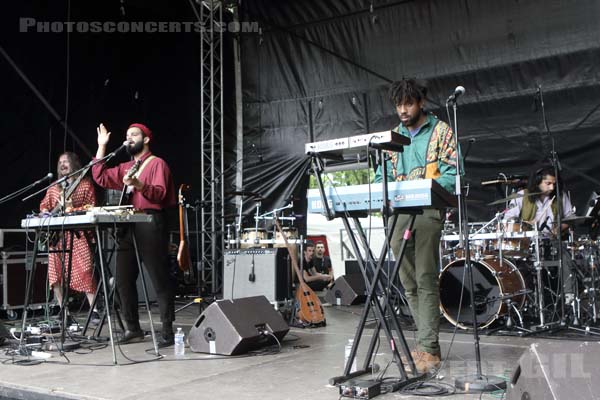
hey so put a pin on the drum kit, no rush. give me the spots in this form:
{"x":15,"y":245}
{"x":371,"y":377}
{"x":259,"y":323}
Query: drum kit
{"x":517,"y":279}
{"x":263,"y":233}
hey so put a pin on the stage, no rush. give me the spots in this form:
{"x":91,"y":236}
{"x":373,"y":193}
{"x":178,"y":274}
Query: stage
{"x":308,"y":358}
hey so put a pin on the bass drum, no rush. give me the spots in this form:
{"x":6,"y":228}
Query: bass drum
{"x":494,"y":283}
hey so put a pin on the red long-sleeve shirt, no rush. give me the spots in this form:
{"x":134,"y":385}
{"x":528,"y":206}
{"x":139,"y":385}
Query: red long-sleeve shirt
{"x":158,"y":192}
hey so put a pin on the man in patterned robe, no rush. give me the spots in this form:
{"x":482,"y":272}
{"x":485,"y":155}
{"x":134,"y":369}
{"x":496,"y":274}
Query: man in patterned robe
{"x":82,"y":263}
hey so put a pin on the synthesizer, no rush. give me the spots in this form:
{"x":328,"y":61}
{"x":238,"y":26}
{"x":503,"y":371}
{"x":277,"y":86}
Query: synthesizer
{"x":336,"y":148}
{"x":83,"y":220}
{"x":421,"y":193}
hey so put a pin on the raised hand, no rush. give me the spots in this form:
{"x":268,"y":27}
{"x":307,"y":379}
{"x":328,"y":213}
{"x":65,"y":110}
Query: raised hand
{"x":103,"y":135}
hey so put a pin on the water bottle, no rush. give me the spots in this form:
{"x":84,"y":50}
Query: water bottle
{"x":347,"y":351}
{"x":179,"y":343}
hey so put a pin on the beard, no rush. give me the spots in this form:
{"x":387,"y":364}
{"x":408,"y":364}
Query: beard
{"x":411,"y":122}
{"x":135,"y":149}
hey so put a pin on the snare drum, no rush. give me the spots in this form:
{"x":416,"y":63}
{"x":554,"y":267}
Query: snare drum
{"x":515,"y":248}
{"x":251,"y":237}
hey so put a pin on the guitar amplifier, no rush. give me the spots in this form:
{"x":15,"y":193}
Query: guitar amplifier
{"x":257,"y":272}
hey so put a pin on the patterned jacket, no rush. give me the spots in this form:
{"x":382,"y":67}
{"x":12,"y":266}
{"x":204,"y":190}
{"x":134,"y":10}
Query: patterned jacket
{"x":431,"y":155}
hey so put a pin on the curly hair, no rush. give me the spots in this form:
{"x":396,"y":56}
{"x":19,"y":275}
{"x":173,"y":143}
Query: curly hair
{"x":406,"y":90}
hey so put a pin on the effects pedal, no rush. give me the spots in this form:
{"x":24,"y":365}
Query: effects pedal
{"x":360,"y":389}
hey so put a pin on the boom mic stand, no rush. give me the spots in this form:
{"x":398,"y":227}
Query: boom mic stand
{"x":66,"y":278}
{"x":79,"y":171}
{"x":479,"y":382}
{"x":19,"y":192}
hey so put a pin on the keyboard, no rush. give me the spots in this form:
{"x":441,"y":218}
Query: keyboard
{"x":421,"y":193}
{"x":84,"y":220}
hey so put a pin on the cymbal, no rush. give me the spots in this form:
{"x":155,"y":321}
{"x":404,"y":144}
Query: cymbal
{"x":577,"y":220}
{"x":513,"y":196}
{"x":244,"y":193}
{"x":514,"y":180}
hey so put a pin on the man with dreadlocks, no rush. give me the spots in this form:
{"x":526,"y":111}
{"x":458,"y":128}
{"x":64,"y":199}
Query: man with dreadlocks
{"x":432,"y":154}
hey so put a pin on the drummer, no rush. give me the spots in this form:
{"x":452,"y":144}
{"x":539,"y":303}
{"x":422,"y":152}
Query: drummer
{"x":538,"y":204}
{"x":541,"y":208}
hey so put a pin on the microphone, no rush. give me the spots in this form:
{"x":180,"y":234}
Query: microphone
{"x":457,"y":92}
{"x":48,"y":176}
{"x":120,"y":148}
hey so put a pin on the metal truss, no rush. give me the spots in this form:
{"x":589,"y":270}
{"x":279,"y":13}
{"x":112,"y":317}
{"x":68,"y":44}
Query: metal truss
{"x":212,"y":187}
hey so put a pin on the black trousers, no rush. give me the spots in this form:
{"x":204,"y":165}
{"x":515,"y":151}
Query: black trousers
{"x":153,"y":246}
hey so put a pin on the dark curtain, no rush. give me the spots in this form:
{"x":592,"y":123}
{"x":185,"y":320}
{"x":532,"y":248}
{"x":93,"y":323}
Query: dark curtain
{"x":320,"y":70}
{"x":115,"y":78}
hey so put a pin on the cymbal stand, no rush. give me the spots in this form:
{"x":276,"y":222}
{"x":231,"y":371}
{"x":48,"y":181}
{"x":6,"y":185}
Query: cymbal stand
{"x":539,"y":293}
{"x":256,"y":218}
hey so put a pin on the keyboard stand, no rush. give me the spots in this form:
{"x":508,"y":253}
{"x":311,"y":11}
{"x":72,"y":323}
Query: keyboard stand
{"x":51,"y":225}
{"x":378,"y":297}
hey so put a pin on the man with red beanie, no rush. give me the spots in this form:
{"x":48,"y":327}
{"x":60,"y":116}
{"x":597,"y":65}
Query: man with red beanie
{"x":150,"y":189}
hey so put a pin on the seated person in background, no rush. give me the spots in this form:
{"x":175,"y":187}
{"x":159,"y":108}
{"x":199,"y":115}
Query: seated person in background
{"x":316,"y":280}
{"x":322,"y":262}
{"x":541,"y":208}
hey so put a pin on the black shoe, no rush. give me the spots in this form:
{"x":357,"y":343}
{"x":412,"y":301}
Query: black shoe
{"x":166,"y":341}
{"x":132,"y":337}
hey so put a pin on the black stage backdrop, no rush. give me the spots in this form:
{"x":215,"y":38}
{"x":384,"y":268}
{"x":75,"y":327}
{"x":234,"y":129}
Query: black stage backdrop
{"x":317,"y":70}
{"x":320,"y":70}
{"x":115,"y":78}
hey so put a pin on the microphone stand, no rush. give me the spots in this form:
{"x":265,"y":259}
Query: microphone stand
{"x":65,"y":277}
{"x":80,"y":170}
{"x":19,"y":192}
{"x":559,"y":203}
{"x":478,"y":383}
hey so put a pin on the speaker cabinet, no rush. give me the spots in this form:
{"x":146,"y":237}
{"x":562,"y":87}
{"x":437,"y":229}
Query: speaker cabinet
{"x":256,"y":272}
{"x":237,"y":326}
{"x":347,"y":290}
{"x":13,"y":281}
{"x":565,"y":370}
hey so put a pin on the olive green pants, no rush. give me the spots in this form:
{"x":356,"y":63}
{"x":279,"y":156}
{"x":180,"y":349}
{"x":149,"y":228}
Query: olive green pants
{"x":419,"y":274}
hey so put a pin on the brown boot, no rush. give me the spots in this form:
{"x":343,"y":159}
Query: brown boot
{"x":414,"y":354}
{"x":427,"y":362}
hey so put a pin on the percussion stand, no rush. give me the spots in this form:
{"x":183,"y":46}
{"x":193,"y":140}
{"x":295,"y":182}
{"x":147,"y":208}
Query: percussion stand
{"x":478,"y":383}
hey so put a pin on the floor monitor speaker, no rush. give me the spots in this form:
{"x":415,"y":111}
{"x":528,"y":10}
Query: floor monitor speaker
{"x":237,"y":326}
{"x":347,"y":290}
{"x":556,"y":370}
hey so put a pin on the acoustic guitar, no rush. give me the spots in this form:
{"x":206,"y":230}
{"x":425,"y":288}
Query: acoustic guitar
{"x":129,"y":174}
{"x":310,"y":309}
{"x":183,"y":254}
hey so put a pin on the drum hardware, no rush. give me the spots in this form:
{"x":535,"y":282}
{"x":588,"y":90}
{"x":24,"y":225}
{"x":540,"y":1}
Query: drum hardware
{"x":577,"y":220}
{"x":256,"y":238}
